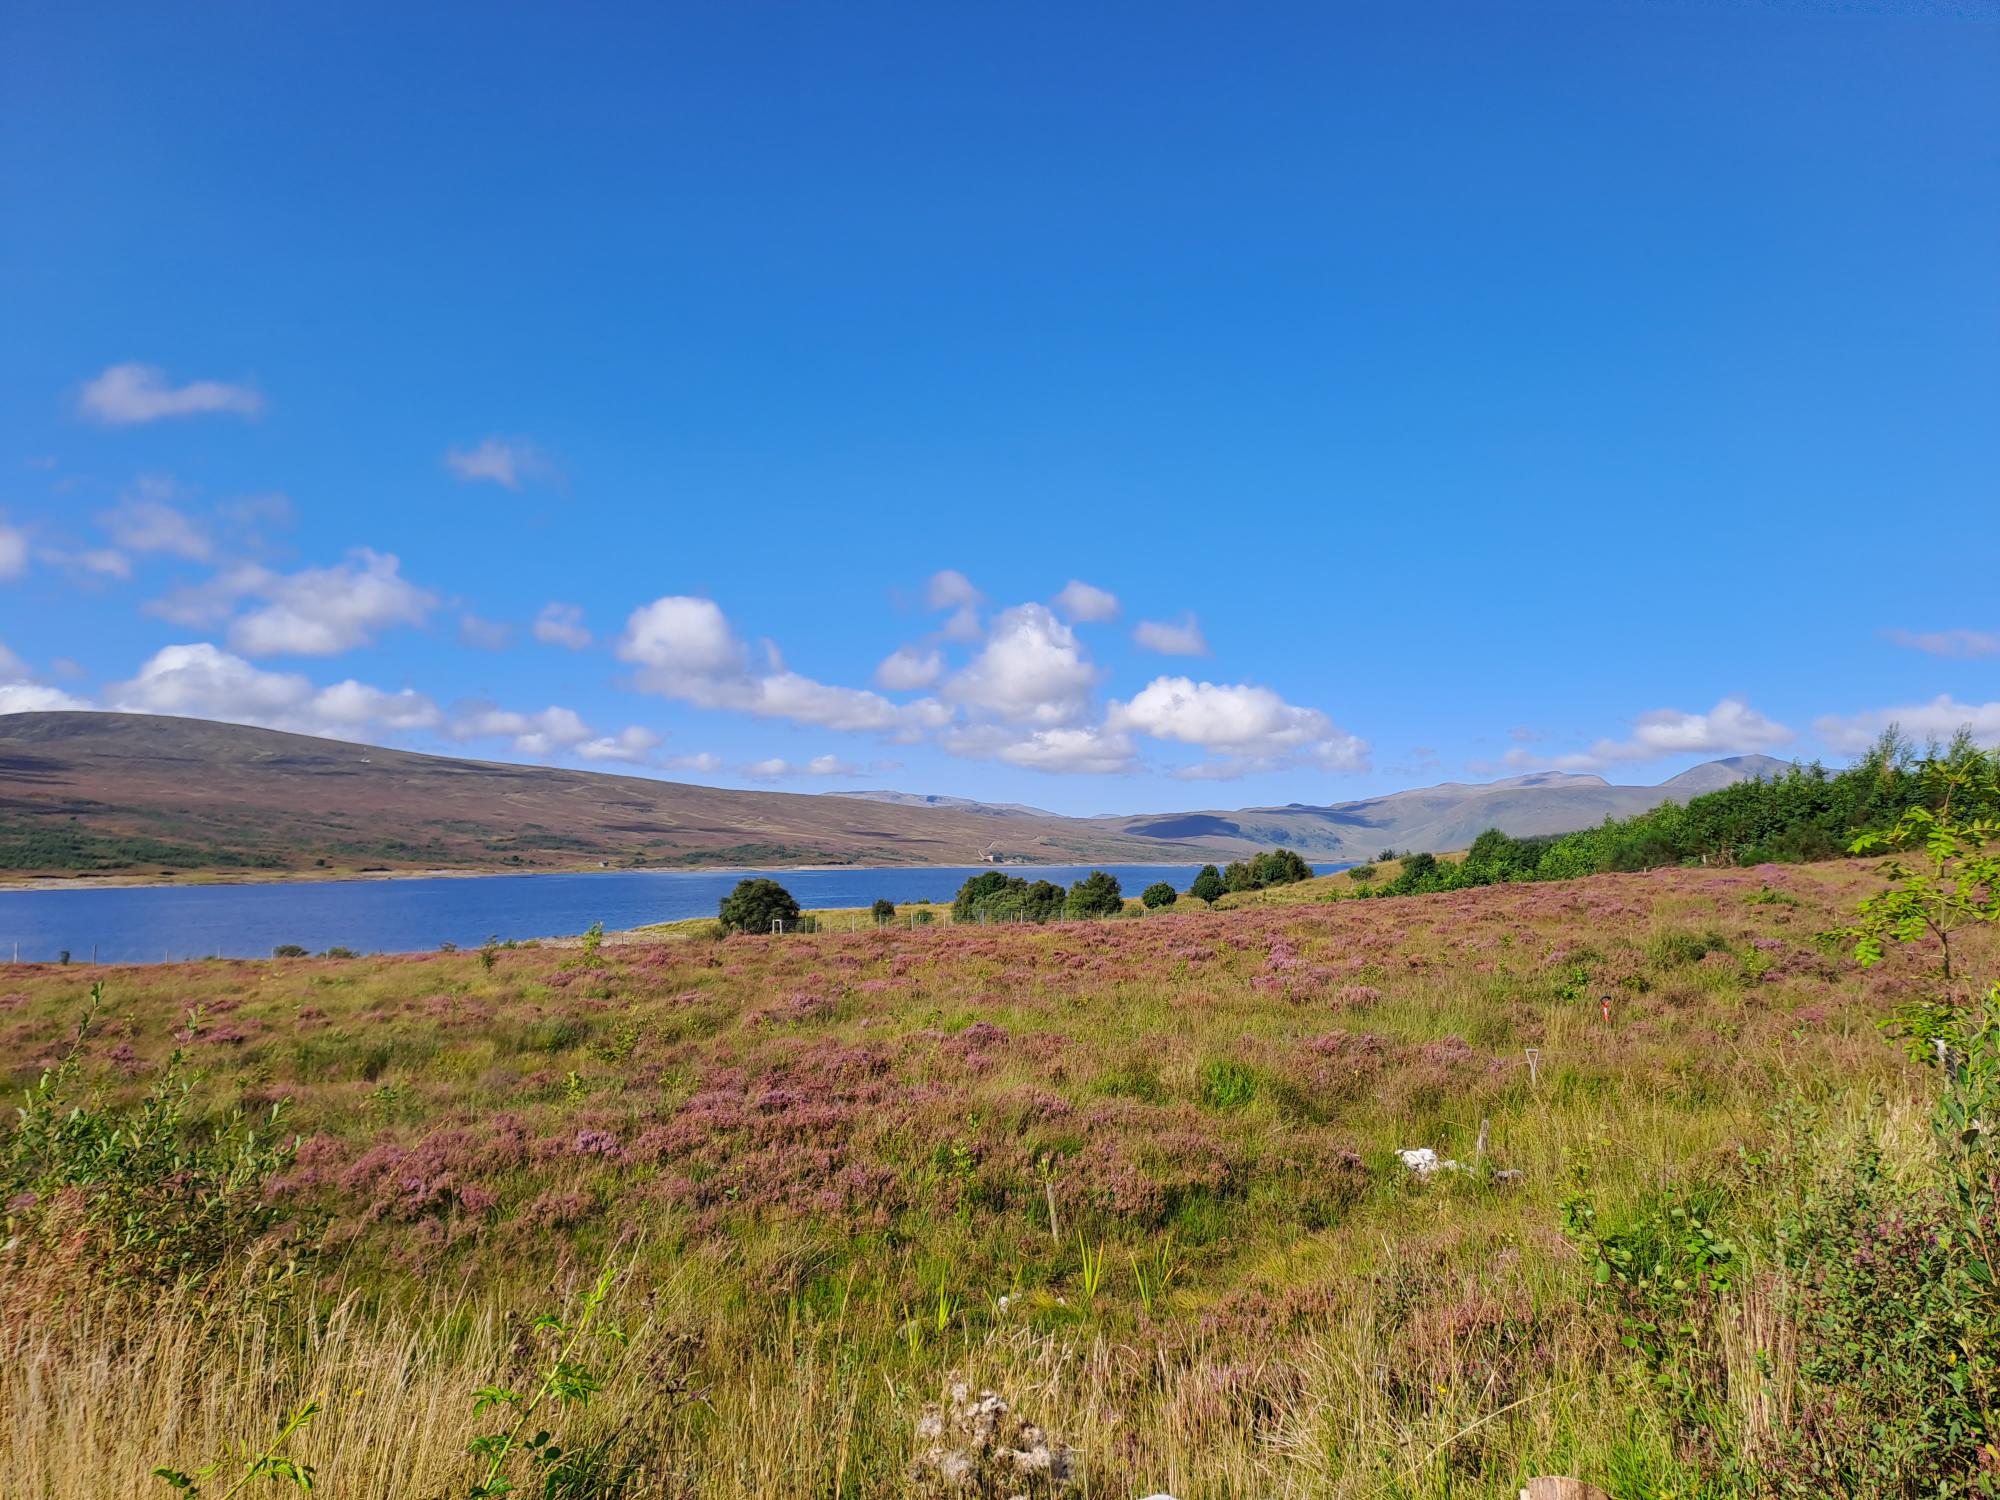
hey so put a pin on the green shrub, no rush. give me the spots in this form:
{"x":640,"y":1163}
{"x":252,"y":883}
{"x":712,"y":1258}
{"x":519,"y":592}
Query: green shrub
{"x":1096,"y":895}
{"x":142,"y":1195}
{"x":756,"y":905}
{"x":1158,"y":894}
{"x":1676,"y":947}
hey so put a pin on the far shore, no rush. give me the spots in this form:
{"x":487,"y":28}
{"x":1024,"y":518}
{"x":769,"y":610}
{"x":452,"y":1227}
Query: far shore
{"x":58,"y":882}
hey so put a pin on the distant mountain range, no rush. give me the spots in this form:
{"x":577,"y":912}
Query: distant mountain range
{"x":132,"y":793}
{"x":1448,"y":816}
{"x":957,"y":804}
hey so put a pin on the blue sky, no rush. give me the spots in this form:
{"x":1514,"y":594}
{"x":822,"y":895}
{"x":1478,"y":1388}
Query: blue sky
{"x":1109,"y":408}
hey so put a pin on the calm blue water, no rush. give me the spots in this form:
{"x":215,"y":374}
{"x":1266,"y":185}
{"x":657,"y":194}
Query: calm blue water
{"x":144,"y":925}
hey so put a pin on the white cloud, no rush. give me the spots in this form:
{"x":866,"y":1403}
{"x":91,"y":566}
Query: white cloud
{"x":484,"y":635}
{"x":1938,"y":719}
{"x":356,"y":707}
{"x":562,"y":625}
{"x":508,"y":462}
{"x":21,"y":694}
{"x":685,"y":650}
{"x":632,"y":743}
{"x":1184,"y":639}
{"x":1085,"y":750}
{"x":909,"y":669}
{"x":681,"y":636}
{"x":1949,"y":642}
{"x":200,"y":680}
{"x":128,"y":394}
{"x":554,"y":728}
{"x":951,"y":589}
{"x":107,"y":562}
{"x":34,"y":697}
{"x":13,"y":551}
{"x":314,"y":612}
{"x":1240,"y":722}
{"x":788,"y":695}
{"x":776,"y":768}
{"x":701,"y":761}
{"x":1031,"y":671}
{"x":1731,"y":727}
{"x":143,"y":521}
{"x":1084,"y":604}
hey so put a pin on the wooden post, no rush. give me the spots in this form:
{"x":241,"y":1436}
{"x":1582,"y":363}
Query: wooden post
{"x":1534,"y":1066}
{"x":1479,"y":1147}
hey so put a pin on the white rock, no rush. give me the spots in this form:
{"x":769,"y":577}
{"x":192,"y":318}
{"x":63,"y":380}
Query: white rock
{"x":1426,"y":1162}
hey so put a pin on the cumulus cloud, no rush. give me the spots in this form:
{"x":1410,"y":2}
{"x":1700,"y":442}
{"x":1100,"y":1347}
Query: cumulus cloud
{"x":484,"y":635}
{"x":1030,"y":671}
{"x":633,"y":744}
{"x":1183,"y":639}
{"x":13,"y":551}
{"x":35,"y":697}
{"x":144,"y":521}
{"x":682,"y":636}
{"x":909,"y":669}
{"x":1949,"y":642}
{"x":952,"y":590}
{"x":552,"y":729}
{"x":562,"y":625}
{"x":507,"y":462}
{"x":776,"y":768}
{"x":1084,"y":604}
{"x":105,"y":562}
{"x":701,"y":761}
{"x":128,"y":394}
{"x":21,"y":694}
{"x":685,"y":649}
{"x":1940,"y":718}
{"x":1073,"y":750}
{"x":1732,"y":727}
{"x":313,"y":612}
{"x":1250,"y":727}
{"x":202,"y":681}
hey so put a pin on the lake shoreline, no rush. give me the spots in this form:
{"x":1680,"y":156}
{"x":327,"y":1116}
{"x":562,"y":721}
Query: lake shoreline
{"x":412,"y":914}
{"x":209,"y":879}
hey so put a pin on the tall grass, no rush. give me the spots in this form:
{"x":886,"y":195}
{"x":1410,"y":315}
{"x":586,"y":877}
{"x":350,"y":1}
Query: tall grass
{"x":1138,"y":1179}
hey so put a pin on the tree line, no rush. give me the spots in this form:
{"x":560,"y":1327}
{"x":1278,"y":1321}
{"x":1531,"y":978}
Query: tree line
{"x":1807,"y":813}
{"x":760,"y":904}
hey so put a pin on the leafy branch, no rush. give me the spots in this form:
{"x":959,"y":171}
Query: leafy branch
{"x":268,"y":1463}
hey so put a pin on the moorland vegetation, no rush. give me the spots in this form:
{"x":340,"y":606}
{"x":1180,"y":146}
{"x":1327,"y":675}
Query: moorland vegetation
{"x":1709,"y":1209}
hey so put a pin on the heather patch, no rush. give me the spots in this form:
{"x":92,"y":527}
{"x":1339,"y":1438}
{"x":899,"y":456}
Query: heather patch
{"x":1140,"y":1180}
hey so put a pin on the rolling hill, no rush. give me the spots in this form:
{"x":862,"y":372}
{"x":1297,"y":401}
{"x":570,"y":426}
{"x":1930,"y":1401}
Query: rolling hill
{"x":137,"y":794}
{"x":99,"y":792}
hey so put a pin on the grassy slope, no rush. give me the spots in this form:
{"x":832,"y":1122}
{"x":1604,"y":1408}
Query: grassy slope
{"x":796,"y":1145}
{"x":123,"y":793}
